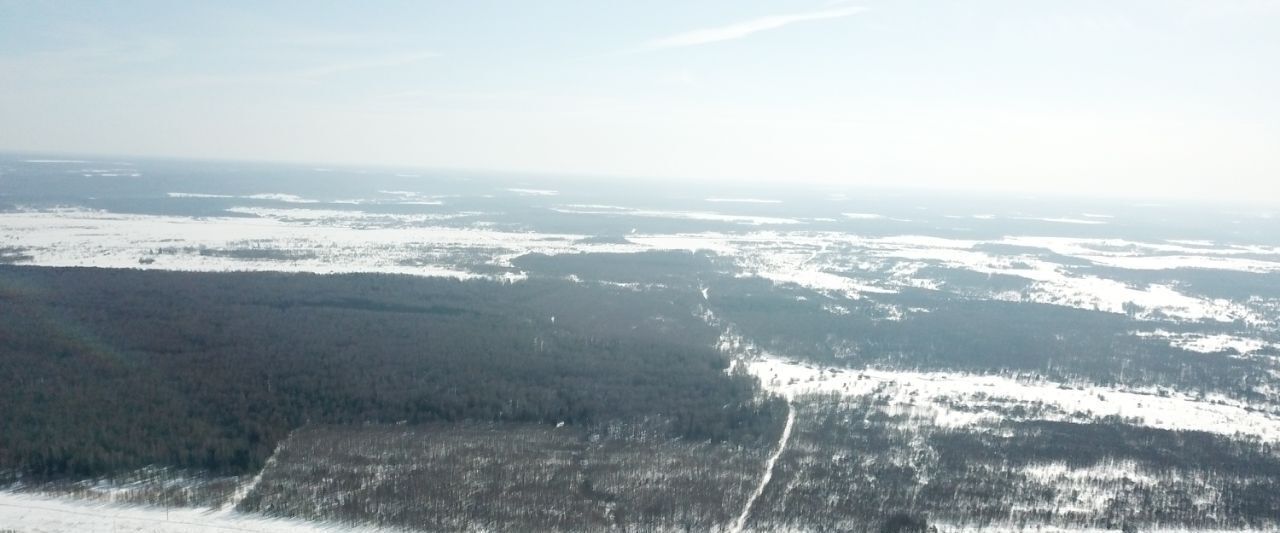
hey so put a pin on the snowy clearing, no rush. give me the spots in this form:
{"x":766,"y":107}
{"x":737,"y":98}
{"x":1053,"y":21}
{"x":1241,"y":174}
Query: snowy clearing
{"x":678,"y":215}
{"x":1208,"y":344}
{"x":985,"y":397}
{"x":42,"y":514}
{"x":743,"y":201}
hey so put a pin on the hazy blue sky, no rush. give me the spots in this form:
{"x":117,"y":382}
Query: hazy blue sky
{"x":1174,"y":96}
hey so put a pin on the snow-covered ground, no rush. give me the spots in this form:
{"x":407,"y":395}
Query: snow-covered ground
{"x":346,"y":218}
{"x":282,"y":197}
{"x":1208,"y":344}
{"x":1064,"y":220}
{"x":1053,"y":473}
{"x":44,"y":514}
{"x":987,"y":399}
{"x":852,"y":265}
{"x":1159,"y":255}
{"x":743,"y":201}
{"x":679,"y":215}
{"x":944,"y":527}
{"x":458,"y":244}
{"x":533,"y":192}
{"x":95,"y":238}
{"x":463,"y":244}
{"x":767,"y":476}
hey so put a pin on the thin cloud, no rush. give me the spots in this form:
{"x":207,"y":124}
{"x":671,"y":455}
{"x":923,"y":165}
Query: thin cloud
{"x":374,"y":63}
{"x":308,"y":74}
{"x":746,"y":28}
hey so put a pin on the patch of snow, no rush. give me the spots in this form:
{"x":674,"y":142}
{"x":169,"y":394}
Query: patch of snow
{"x":1192,"y":242}
{"x":835,"y":309}
{"x":1109,"y":471}
{"x":280,"y":197}
{"x":743,"y":201}
{"x":344,"y":218}
{"x":1055,"y":284}
{"x":821,"y":281}
{"x":1209,"y":344}
{"x":534,"y":192}
{"x":96,"y":238}
{"x":45,"y":514}
{"x":196,"y":195}
{"x":1063,"y":220}
{"x":984,"y":398}
{"x":1022,"y":525}
{"x":1156,"y":256}
{"x":680,"y":215}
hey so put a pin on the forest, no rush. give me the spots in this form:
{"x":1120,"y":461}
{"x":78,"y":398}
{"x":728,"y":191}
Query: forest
{"x":589,"y":396}
{"x":854,"y":460}
{"x":954,"y":332}
{"x":105,"y":371}
{"x":957,"y":327}
{"x":507,"y":477}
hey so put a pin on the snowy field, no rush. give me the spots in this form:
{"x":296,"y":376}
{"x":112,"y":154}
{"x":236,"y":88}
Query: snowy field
{"x":41,"y":514}
{"x":938,"y":397}
{"x":463,"y":244}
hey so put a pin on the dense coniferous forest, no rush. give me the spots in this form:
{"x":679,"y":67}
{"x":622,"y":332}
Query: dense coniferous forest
{"x":103,"y":371}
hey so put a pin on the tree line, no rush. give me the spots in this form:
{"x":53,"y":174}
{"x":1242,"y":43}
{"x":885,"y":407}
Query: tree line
{"x":103,"y":370}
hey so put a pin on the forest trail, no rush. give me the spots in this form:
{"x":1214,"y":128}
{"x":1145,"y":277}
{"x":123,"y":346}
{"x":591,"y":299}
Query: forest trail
{"x":243,"y":490}
{"x":768,"y":470}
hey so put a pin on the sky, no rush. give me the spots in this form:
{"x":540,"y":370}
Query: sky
{"x":1110,"y":97}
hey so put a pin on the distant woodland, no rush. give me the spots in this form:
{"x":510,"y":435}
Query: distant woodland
{"x":103,"y":371}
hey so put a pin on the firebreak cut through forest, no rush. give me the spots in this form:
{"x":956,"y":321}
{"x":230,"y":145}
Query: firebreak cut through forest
{"x":108,"y":371}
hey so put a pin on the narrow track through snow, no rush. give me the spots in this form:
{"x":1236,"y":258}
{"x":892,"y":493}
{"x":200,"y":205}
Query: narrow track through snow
{"x":243,"y":491}
{"x":768,"y":470}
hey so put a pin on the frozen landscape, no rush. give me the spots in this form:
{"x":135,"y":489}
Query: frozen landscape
{"x":640,"y":267}
{"x":900,"y":336}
